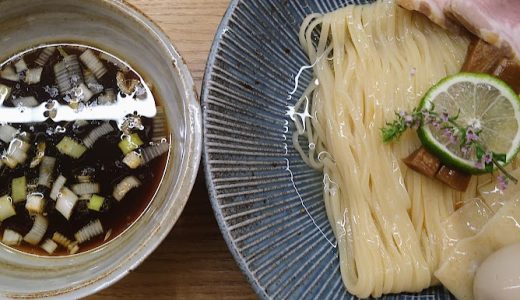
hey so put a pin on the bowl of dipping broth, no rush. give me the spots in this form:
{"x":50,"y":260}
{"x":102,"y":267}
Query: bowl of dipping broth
{"x":100,"y":141}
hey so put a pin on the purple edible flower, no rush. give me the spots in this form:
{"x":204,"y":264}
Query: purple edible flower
{"x":408,"y":120}
{"x":436,"y":125}
{"x":445,"y":117}
{"x":502,"y":182}
{"x":448,"y":133}
{"x":471,"y":136}
{"x":488,"y":158}
{"x":464,"y":150}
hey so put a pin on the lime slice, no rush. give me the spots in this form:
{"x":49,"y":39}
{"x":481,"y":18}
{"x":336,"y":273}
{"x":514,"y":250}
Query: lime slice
{"x":481,"y":101}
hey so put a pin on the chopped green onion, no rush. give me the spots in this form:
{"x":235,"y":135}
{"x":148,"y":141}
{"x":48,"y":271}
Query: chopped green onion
{"x":44,"y":56}
{"x":82,"y":93}
{"x":5,"y":92}
{"x":49,"y":246}
{"x":133,"y":160}
{"x":40,"y":153}
{"x":25,"y":102}
{"x":63,"y":52}
{"x":35,"y":204}
{"x":11,"y":238}
{"x":123,"y":187}
{"x":93,"y":63}
{"x":159,"y":131}
{"x":71,"y":148}
{"x":88,"y":232}
{"x":66,"y":202}
{"x":65,"y":242}
{"x":84,"y":178}
{"x":23,"y":145}
{"x":8,"y":73}
{"x":152,"y":152}
{"x":46,"y":170}
{"x":97,"y":133}
{"x":108,"y":97}
{"x":130,"y":143}
{"x":87,"y":188}
{"x":33,"y":76}
{"x":85,"y":197}
{"x":38,"y":230}
{"x":56,"y":187}
{"x":17,"y":153}
{"x":68,"y":73}
{"x":7,"y":133}
{"x":6,"y":208}
{"x":19,"y":189}
{"x":91,"y":82}
{"x":96,"y":202}
{"x":20,"y":66}
{"x":10,"y":162}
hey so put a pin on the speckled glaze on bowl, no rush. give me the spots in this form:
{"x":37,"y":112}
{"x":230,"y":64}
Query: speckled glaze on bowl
{"x":120,"y":29}
{"x":251,"y":70}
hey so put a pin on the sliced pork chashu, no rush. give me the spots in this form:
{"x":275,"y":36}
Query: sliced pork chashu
{"x":495,"y":21}
{"x":433,"y":9}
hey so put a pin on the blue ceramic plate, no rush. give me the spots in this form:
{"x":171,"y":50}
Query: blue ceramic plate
{"x":276,"y":229}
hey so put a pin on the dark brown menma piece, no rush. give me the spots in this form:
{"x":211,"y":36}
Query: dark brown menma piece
{"x":453,"y":178}
{"x":423,"y":162}
{"x":482,"y":57}
{"x":509,"y":71}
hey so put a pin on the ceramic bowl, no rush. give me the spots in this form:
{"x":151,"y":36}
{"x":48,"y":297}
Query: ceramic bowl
{"x":267,"y":201}
{"x":122,"y":30}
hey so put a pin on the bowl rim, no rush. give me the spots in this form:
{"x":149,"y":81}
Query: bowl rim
{"x":224,"y":229}
{"x":186,"y":177}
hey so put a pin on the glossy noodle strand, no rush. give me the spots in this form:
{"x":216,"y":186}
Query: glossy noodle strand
{"x":369,"y":62}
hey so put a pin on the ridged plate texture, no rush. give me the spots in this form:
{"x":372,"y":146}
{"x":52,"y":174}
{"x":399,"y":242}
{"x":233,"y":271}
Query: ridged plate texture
{"x":272,"y":226}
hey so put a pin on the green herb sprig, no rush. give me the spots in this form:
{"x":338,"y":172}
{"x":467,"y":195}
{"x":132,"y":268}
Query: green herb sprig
{"x":467,"y":138}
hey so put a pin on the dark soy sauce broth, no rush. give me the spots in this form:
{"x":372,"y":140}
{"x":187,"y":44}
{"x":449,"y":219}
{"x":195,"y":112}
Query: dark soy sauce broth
{"x":103,"y":162}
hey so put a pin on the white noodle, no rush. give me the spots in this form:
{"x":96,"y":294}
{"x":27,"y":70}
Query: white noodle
{"x":387,"y":220}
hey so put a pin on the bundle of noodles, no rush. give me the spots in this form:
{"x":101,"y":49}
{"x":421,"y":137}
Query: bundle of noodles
{"x":371,"y":61}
